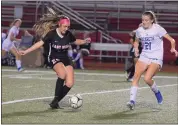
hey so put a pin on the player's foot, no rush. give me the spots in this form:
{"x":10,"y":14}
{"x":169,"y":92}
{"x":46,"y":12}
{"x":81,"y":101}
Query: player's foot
{"x":130,"y":79}
{"x":54,"y":104}
{"x":73,"y":60}
{"x":81,"y":67}
{"x":20,"y":69}
{"x":126,"y":74}
{"x":159,"y":97}
{"x":131,"y":105}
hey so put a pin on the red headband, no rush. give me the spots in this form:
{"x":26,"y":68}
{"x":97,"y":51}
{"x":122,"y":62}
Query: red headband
{"x":64,"y":21}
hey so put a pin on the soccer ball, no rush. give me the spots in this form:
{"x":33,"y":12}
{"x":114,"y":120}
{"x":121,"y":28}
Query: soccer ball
{"x":76,"y":101}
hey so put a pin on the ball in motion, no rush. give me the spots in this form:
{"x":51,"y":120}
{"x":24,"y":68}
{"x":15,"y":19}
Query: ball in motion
{"x":76,"y":101}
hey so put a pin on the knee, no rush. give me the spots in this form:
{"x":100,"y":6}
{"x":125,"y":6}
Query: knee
{"x":3,"y":53}
{"x":61,"y":75}
{"x":17,"y":56}
{"x":69,"y":84}
{"x":147,"y":79}
{"x":137,"y":75}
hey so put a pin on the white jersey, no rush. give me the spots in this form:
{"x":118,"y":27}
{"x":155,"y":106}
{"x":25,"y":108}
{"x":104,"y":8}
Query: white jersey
{"x":152,"y":41}
{"x":14,"y":30}
{"x":8,"y":44}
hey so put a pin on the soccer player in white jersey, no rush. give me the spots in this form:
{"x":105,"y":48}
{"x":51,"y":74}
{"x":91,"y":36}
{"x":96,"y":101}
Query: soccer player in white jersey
{"x":151,"y":58}
{"x":8,"y":43}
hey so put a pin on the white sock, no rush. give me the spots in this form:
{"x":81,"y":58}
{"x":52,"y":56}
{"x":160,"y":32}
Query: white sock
{"x":133,"y":93}
{"x":81,"y":63}
{"x":154,"y":88}
{"x":18,"y":64}
{"x":78,"y":56}
{"x":70,"y":53}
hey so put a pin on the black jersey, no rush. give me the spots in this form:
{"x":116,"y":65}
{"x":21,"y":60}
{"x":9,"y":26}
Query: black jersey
{"x":140,"y":44}
{"x":132,"y":49}
{"x":56,"y":46}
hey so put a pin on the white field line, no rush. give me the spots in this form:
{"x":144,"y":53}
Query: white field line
{"x":14,"y":75}
{"x":90,"y":74}
{"x":90,"y":93}
{"x":47,"y":78}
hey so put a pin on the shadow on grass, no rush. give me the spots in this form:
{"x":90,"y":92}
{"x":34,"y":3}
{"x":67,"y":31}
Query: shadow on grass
{"x":121,"y":115}
{"x":28,"y":113}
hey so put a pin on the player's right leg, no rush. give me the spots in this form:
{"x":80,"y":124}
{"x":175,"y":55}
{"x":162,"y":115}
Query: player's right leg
{"x":140,"y":67}
{"x":132,"y":71}
{"x":59,"y":68}
{"x":5,"y":48}
{"x":3,"y":53}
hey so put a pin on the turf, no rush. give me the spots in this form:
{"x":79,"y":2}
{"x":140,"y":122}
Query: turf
{"x":105,"y":94}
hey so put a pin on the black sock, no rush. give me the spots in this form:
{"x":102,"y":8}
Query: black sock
{"x":130,"y":69}
{"x":132,"y":72}
{"x":59,"y":87}
{"x":65,"y":91}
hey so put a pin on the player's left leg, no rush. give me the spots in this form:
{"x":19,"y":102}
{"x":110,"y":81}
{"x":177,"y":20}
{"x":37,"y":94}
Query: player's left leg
{"x":81,"y":61}
{"x":151,"y":71}
{"x":78,"y":56}
{"x":84,"y":52}
{"x":3,"y":53}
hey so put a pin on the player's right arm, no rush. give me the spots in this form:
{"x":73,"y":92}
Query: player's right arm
{"x":12,"y":38}
{"x":32,"y":48}
{"x":39,"y":44}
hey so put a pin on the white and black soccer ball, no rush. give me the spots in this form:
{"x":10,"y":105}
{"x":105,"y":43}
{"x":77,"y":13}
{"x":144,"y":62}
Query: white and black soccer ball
{"x":76,"y":101}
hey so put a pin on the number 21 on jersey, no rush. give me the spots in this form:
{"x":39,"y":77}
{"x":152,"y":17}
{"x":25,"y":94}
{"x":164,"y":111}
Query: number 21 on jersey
{"x":147,"y":46}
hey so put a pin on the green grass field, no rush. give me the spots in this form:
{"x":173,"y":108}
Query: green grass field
{"x":25,"y":98}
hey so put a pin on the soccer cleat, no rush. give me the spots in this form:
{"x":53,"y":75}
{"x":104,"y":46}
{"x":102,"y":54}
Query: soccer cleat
{"x":20,"y":69}
{"x":130,"y":79}
{"x":131,"y":105}
{"x":81,"y":67}
{"x":159,"y":97}
{"x":126,"y":74}
{"x":54,"y":104}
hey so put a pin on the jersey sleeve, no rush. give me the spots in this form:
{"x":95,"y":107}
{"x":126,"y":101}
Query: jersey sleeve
{"x":12,"y":30}
{"x":72,"y":37}
{"x":161,"y":31}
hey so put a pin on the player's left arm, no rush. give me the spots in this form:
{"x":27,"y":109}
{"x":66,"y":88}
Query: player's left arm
{"x":173,"y":44}
{"x":81,"y":42}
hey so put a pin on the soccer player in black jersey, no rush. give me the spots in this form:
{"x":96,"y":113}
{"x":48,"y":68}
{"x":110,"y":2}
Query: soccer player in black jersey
{"x":130,"y":71}
{"x":56,"y":42}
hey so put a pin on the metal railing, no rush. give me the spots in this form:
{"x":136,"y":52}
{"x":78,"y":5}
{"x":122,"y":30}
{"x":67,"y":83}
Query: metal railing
{"x":83,"y":21}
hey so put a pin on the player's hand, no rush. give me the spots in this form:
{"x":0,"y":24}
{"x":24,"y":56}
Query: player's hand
{"x":136,"y":52}
{"x":174,"y":51}
{"x":87,"y":40}
{"x":21,"y":52}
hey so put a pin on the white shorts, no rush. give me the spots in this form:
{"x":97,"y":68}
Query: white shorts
{"x":151,"y":60}
{"x":7,"y":45}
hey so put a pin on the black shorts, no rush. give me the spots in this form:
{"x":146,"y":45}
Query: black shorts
{"x":54,"y":61}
